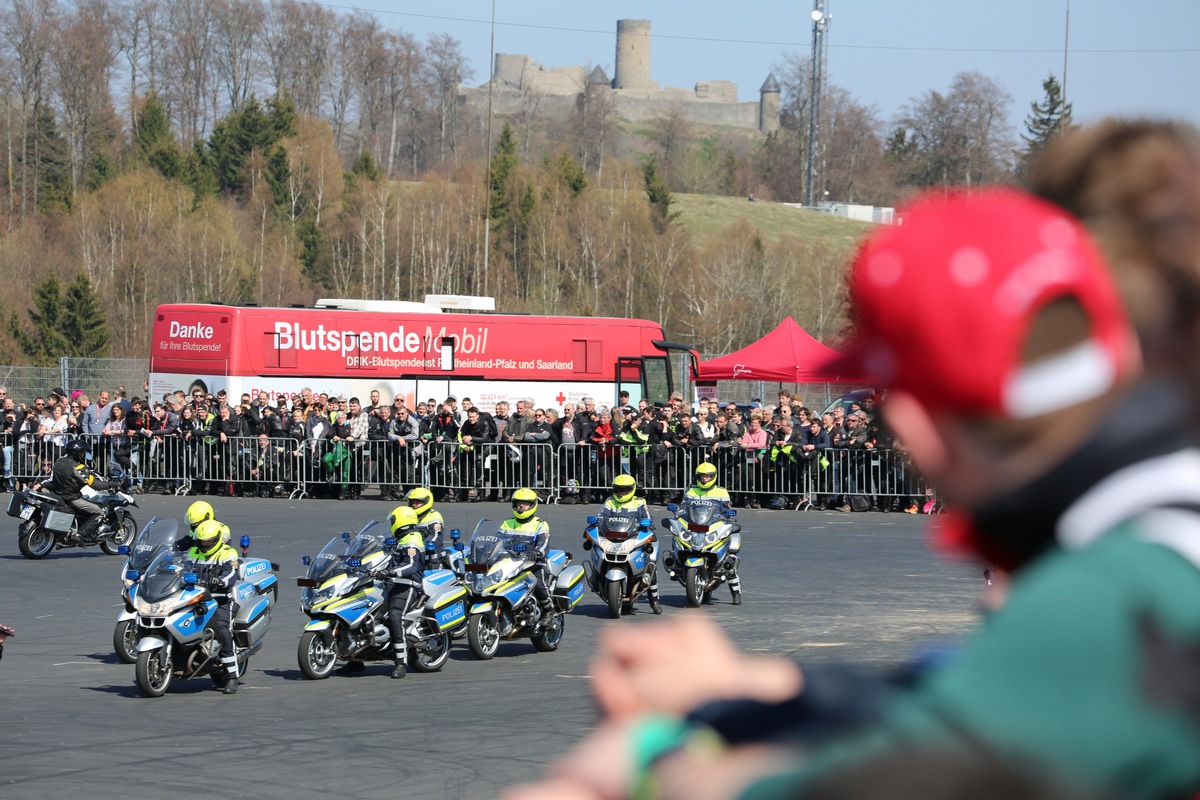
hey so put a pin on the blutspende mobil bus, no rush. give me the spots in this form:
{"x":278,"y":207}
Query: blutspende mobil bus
{"x":411,"y":350}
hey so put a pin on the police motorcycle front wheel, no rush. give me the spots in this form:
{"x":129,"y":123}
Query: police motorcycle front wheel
{"x":34,"y":541}
{"x":125,"y":641}
{"x":615,"y":597}
{"x":695,"y":583}
{"x":124,"y":535}
{"x":153,"y":671}
{"x":483,"y":635}
{"x":316,"y":655}
{"x":430,"y":654}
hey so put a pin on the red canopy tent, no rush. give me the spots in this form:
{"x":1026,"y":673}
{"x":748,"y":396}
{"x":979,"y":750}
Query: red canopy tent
{"x":787,"y":354}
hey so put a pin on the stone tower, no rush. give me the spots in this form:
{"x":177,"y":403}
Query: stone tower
{"x":769,"y":105}
{"x":632,"y":65}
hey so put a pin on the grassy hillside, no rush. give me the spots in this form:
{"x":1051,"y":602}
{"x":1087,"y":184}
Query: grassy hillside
{"x":707,"y":216}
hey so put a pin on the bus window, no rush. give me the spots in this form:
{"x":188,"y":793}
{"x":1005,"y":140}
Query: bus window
{"x":629,"y":378}
{"x":656,"y":376}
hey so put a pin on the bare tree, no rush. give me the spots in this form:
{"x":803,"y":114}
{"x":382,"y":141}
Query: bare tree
{"x":83,"y":55}
{"x":26,"y":28}
{"x":961,"y":137}
{"x":296,"y":43}
{"x":188,"y":67}
{"x":138,"y":25}
{"x":446,"y":69}
{"x":237,"y":25}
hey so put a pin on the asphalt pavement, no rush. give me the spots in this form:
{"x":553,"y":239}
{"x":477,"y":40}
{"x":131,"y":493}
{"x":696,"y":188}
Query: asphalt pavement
{"x":818,"y":586}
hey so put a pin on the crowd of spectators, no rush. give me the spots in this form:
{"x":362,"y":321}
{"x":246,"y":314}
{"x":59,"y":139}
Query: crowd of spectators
{"x":781,"y":455}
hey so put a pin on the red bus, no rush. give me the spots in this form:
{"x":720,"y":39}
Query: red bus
{"x":411,"y":350}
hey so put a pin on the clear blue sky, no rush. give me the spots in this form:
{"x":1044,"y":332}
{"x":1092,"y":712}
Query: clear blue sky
{"x":1124,"y":58}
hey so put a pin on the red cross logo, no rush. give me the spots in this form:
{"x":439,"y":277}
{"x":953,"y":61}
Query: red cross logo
{"x":562,"y":398}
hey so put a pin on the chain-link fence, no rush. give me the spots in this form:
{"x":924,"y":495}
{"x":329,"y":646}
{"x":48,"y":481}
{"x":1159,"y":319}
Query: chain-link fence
{"x":90,"y":375}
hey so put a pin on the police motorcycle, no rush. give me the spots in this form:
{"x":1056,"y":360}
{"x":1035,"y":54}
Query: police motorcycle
{"x":149,"y":542}
{"x":174,"y":605}
{"x":501,"y":582}
{"x":705,"y":543}
{"x":621,"y":566}
{"x":48,"y":521}
{"x":345,"y":594}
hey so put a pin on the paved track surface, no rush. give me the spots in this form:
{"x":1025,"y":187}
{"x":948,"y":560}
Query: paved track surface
{"x":821,"y":586}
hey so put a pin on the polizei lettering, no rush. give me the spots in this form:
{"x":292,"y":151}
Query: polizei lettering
{"x":294,"y":336}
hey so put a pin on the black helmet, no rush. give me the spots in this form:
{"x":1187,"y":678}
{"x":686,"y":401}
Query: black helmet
{"x":79,"y":450}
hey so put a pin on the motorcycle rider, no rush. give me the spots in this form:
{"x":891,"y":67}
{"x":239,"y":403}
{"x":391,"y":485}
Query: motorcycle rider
{"x":221,"y":562}
{"x":525,"y":523}
{"x":405,"y":573}
{"x":197,"y":513}
{"x":69,"y":475}
{"x":624,"y":500}
{"x":705,"y":488}
{"x":420,"y":500}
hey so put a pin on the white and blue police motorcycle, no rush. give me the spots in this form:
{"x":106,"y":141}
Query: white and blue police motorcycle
{"x":345,"y":594}
{"x":621,"y":567}
{"x":152,"y":539}
{"x":175,"y":605}
{"x":705,"y":542}
{"x":499,"y":575}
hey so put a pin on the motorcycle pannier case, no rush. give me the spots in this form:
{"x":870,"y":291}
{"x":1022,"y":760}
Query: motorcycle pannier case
{"x":250,"y":623}
{"x":448,"y":607}
{"x":568,"y":590}
{"x":15,"y":504}
{"x":58,"y":521}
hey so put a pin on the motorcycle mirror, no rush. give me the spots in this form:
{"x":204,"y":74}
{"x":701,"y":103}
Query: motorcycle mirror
{"x":123,"y":550}
{"x":305,"y":560}
{"x":190,"y":578}
{"x":593,"y":519}
{"x":132,"y":574}
{"x":672,"y":507}
{"x":666,"y":523}
{"x":455,"y":533}
{"x":587,"y":544}
{"x":345,"y":536}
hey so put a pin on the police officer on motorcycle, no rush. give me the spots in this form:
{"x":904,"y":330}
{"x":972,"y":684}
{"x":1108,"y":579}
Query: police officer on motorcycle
{"x":219,"y":562}
{"x":68,"y":477}
{"x":198,"y":513}
{"x":405,"y":572}
{"x":624,"y":500}
{"x":525,"y":523}
{"x":705,"y":488}
{"x":420,"y":500}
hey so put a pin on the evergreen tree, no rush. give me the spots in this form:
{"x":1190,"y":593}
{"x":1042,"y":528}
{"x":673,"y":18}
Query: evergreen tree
{"x":1045,"y":120}
{"x":154,"y":143}
{"x":364,"y":167}
{"x":251,"y":128}
{"x":52,"y":167}
{"x":568,"y":170}
{"x":48,"y":338}
{"x":84,"y":324}
{"x":659,"y":196}
{"x":504,"y":164}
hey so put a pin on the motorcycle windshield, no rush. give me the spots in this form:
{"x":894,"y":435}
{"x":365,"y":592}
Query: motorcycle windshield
{"x":619,"y":526}
{"x":164,"y":575}
{"x":157,"y":535}
{"x":331,"y":560}
{"x":703,"y":511}
{"x":487,"y":548}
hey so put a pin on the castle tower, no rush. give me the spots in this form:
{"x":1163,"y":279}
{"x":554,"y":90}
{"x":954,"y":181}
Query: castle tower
{"x":769,"y":105}
{"x":632,"y":65}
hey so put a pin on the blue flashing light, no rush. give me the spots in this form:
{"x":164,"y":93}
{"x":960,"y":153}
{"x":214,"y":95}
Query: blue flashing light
{"x":672,"y":507}
{"x":455,"y":533}
{"x":345,"y":536}
{"x":245,"y":541}
{"x":305,"y":560}
{"x":190,"y":578}
{"x":132,"y":574}
{"x":593,"y":519}
{"x":123,"y":550}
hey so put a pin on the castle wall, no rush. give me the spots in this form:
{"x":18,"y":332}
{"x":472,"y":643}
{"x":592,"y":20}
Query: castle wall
{"x":641,"y":109}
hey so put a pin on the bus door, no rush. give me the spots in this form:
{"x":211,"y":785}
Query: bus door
{"x":644,"y":376}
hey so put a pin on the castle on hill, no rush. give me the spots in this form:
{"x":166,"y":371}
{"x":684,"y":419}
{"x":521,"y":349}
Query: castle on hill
{"x":518,"y":80}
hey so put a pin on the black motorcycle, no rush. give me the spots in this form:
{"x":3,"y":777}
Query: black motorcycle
{"x":48,"y":521}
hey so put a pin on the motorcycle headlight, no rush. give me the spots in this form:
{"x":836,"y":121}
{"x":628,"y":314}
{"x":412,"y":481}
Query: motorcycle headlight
{"x":710,"y":538}
{"x":495,"y":578}
{"x":152,"y":609}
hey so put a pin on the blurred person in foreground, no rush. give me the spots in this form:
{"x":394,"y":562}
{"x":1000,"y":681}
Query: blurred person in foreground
{"x":1014,"y":380}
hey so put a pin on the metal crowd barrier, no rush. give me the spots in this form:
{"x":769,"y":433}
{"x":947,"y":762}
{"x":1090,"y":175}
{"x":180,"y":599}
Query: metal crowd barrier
{"x":281,"y":466}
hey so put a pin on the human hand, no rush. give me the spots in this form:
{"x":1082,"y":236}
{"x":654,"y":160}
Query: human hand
{"x":650,"y":668}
